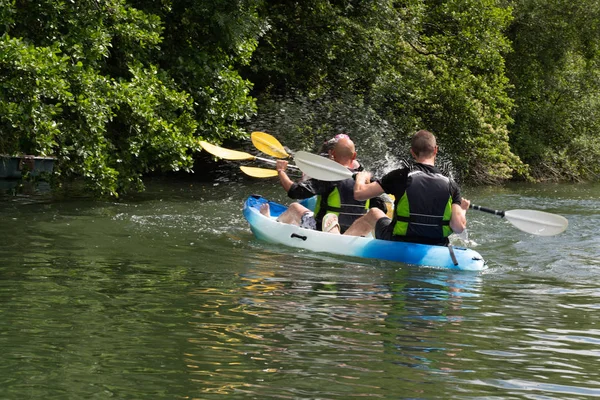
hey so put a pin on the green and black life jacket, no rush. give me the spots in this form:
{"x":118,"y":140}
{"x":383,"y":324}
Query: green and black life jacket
{"x":425,"y":208}
{"x":341,"y":202}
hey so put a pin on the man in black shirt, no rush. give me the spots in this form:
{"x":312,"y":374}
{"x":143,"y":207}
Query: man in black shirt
{"x":428,"y":205}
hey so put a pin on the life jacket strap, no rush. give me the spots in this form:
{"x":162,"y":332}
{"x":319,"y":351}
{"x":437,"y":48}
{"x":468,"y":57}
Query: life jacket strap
{"x":414,"y":219}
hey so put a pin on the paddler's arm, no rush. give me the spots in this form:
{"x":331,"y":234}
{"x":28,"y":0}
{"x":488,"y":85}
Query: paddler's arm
{"x":364,"y":189}
{"x":460,"y":205}
{"x":458,"y":220}
{"x":284,"y":179}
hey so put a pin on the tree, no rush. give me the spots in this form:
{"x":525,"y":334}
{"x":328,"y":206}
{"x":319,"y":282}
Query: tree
{"x":92,"y":83}
{"x":556,"y":76}
{"x":419,"y":64}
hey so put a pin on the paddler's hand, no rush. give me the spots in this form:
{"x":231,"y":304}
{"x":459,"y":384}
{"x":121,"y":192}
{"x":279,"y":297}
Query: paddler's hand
{"x":363,"y":177}
{"x":281,"y":165}
{"x":284,"y":179}
{"x":464,"y":204}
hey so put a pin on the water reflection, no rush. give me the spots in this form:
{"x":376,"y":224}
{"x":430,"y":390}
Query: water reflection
{"x":326,"y":325}
{"x":169,"y":296}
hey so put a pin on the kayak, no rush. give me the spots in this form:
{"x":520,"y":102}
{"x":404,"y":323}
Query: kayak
{"x":268,"y":229}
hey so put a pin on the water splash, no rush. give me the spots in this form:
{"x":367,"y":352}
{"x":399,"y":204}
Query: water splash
{"x":304,"y":124}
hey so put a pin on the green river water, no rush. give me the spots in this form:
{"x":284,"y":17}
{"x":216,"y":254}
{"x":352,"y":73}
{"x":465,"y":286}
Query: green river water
{"x":168,"y":296}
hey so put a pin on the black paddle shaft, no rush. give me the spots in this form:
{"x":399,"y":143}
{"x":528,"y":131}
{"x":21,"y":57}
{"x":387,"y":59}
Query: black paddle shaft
{"x":487,"y":210}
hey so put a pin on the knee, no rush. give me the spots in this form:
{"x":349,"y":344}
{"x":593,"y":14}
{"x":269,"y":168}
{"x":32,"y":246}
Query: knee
{"x":374,"y":215}
{"x":298,"y":208}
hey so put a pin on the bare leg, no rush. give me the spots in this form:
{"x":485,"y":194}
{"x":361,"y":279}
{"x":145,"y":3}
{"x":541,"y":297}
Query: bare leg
{"x":293,"y":214}
{"x":366,"y":223}
{"x":265,"y":210}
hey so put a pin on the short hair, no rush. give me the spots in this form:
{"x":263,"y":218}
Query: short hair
{"x":328,"y":145}
{"x":423,"y":143}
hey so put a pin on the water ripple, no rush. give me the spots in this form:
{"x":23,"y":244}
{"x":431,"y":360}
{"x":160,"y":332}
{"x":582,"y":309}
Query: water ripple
{"x":170,"y":296}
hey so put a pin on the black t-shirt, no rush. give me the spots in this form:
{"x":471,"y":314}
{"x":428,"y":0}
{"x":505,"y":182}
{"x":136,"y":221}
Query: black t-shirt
{"x":309,"y":188}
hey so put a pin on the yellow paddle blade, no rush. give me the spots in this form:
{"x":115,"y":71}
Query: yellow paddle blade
{"x":259,"y":172}
{"x":226,"y":153}
{"x":389,"y":202}
{"x":268,"y":144}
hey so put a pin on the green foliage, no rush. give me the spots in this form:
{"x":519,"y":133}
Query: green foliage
{"x":30,"y":77}
{"x":119,"y":88}
{"x":430,"y":64}
{"x":116,"y":91}
{"x":204,"y":45}
{"x":556,"y":76}
{"x":315,"y":46}
{"x":453,"y":83}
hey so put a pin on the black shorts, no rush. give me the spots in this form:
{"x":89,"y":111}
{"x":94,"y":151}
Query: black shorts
{"x":384,"y":228}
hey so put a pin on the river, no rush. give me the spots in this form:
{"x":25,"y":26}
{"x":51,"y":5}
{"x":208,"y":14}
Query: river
{"x":167,"y":295}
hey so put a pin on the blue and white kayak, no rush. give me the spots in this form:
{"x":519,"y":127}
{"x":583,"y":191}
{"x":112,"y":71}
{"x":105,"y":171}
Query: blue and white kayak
{"x":268,"y":229}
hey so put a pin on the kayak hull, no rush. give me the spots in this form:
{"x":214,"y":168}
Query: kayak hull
{"x":269,"y":230}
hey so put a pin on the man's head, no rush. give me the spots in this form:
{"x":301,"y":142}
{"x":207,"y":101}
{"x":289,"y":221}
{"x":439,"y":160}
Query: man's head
{"x":328,"y":145}
{"x":423,"y":145}
{"x":344,"y":152}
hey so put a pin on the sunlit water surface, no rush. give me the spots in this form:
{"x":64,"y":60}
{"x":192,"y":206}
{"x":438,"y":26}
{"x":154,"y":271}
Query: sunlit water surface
{"x":168,"y":295}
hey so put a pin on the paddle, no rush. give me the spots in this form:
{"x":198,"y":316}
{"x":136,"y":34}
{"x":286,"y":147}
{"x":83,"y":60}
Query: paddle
{"x":259,"y":172}
{"x":228,"y":154}
{"x":311,"y":164}
{"x":315,"y":166}
{"x":321,"y":168}
{"x":535,"y":222}
{"x":268,"y":145}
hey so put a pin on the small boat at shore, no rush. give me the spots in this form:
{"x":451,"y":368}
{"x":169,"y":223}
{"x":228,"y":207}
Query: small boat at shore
{"x":268,"y":229}
{"x":14,"y":167}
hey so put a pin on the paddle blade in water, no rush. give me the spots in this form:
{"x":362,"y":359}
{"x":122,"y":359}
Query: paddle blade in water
{"x":259,"y":172}
{"x":321,"y":168}
{"x":268,"y":144}
{"x":226,"y":153}
{"x":537,"y":222}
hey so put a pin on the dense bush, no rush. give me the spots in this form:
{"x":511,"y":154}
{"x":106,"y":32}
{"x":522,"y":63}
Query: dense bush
{"x":555,"y":70}
{"x":119,"y":88}
{"x":116,"y":91}
{"x":427,"y":64}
